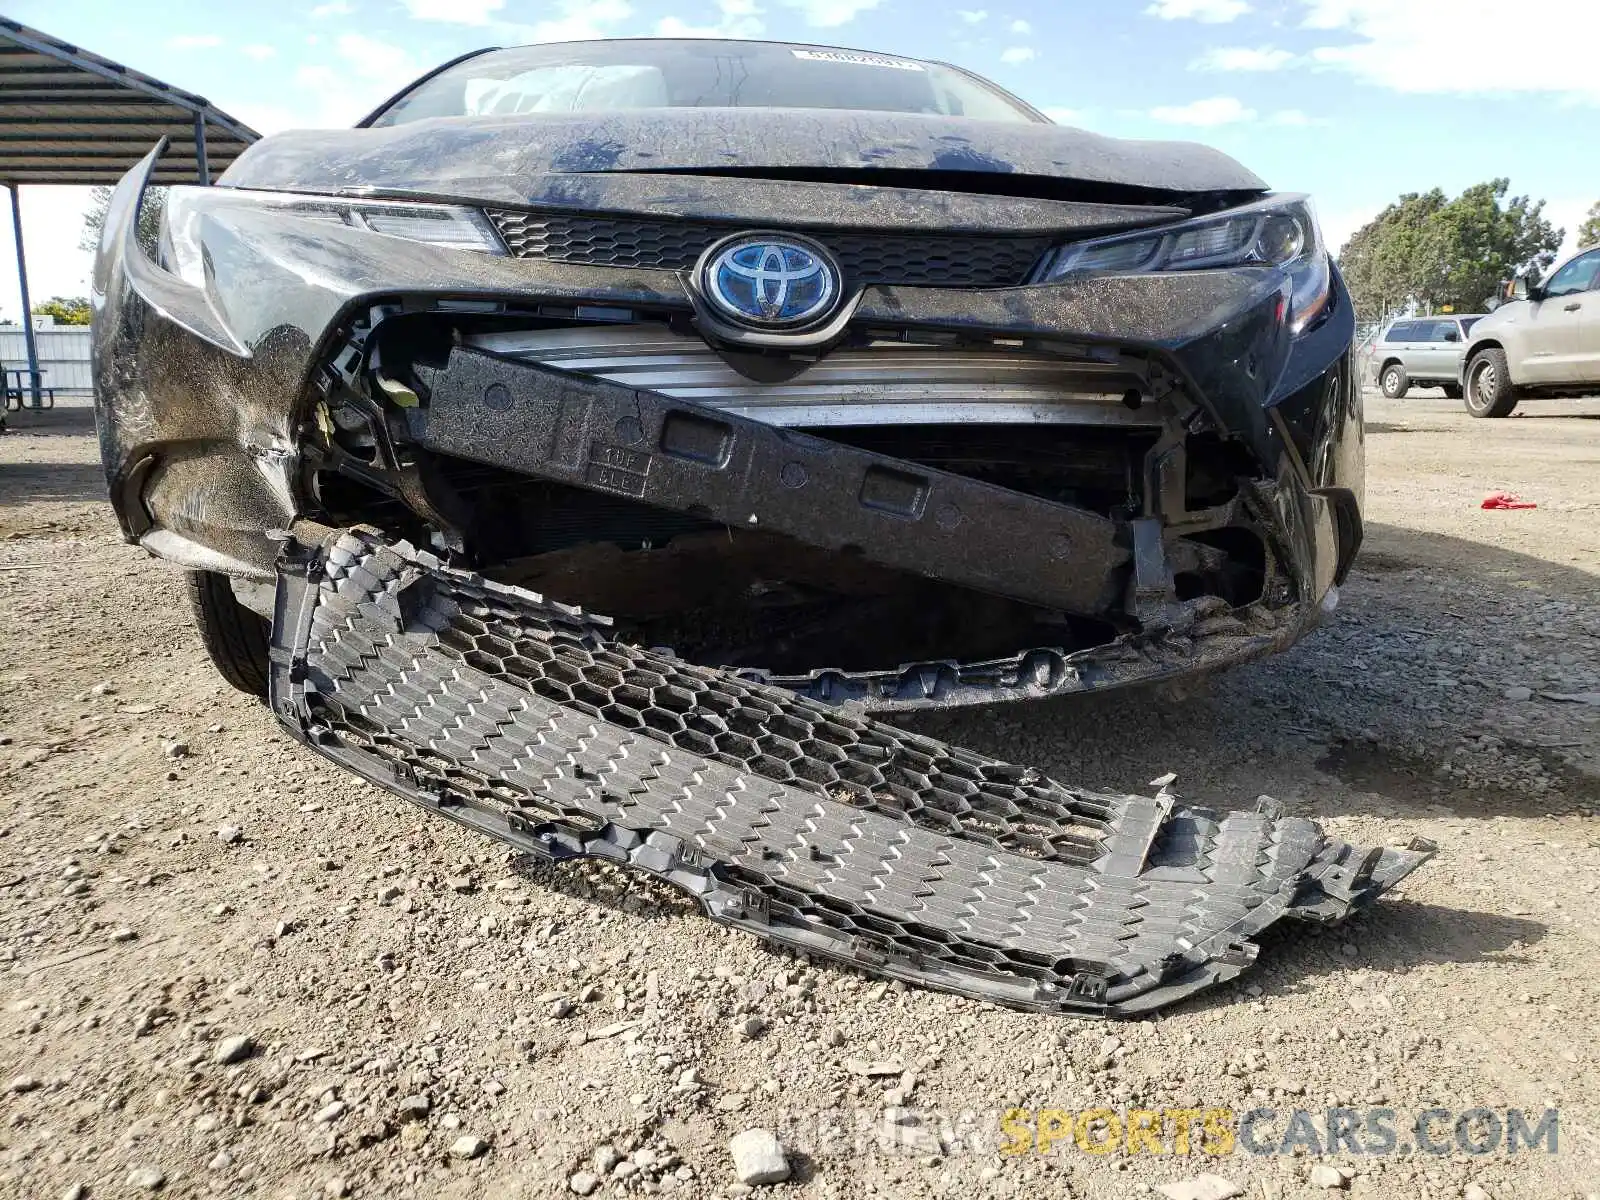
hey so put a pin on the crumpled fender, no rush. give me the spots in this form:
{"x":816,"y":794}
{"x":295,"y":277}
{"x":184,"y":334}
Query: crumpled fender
{"x":187,"y":419}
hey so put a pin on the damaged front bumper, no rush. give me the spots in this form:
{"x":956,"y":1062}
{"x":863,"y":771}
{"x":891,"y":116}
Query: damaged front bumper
{"x":815,"y":829}
{"x":221,"y":409}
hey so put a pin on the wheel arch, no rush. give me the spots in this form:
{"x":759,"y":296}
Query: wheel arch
{"x":1477,"y":348}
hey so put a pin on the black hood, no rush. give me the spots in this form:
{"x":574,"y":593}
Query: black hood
{"x":437,"y":156}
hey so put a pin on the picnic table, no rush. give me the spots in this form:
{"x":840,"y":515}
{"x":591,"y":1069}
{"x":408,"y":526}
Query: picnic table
{"x":25,"y":389}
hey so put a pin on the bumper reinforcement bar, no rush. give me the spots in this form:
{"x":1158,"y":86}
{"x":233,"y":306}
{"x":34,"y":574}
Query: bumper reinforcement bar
{"x":819,"y":830}
{"x":675,"y":454}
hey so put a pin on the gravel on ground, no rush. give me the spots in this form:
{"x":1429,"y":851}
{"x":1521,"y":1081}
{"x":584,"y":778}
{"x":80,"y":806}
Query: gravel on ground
{"x":227,"y":968}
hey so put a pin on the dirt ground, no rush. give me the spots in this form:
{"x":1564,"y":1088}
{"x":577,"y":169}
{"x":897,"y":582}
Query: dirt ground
{"x":431,"y":1017}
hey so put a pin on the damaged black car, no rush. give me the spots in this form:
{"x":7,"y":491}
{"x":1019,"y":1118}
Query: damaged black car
{"x":598,"y":439}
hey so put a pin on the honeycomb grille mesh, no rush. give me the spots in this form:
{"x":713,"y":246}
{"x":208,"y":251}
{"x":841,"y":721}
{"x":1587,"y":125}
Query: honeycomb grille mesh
{"x":820,"y":830}
{"x":921,"y":261}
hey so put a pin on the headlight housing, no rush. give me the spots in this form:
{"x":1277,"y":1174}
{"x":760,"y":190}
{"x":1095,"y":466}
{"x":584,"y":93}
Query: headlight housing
{"x":447,"y":225}
{"x":1280,"y":231}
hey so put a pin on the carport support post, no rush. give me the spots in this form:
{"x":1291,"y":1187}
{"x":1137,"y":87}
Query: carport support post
{"x":202,"y":171}
{"x":22,"y":286}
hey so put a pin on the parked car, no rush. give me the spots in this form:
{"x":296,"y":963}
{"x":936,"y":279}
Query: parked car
{"x":1545,"y":342}
{"x":842,"y":383}
{"x":1421,"y":352}
{"x":891,"y":255}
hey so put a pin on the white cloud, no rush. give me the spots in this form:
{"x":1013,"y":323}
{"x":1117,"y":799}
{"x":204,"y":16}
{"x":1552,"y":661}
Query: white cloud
{"x":195,"y":41}
{"x":1243,"y":58}
{"x":1480,"y":46}
{"x":260,"y":51}
{"x":1021,"y":26}
{"x":1328,"y":14}
{"x":1212,"y":12}
{"x":1293,"y":118}
{"x":331,"y":95}
{"x":829,"y":14}
{"x":333,"y":8}
{"x":461,"y":12}
{"x":973,"y":16}
{"x":372,"y":59}
{"x":1016,"y":54}
{"x":576,"y":21}
{"x":1219,"y":110}
{"x":736,"y":19}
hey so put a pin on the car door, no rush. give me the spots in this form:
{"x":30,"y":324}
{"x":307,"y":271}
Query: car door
{"x":1450,"y":342}
{"x":1553,"y":334}
{"x":1436,"y":344}
{"x":1396,"y":344}
{"x":1588,"y":348}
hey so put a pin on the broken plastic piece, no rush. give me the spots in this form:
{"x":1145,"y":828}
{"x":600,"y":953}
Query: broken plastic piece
{"x":1500,"y":501}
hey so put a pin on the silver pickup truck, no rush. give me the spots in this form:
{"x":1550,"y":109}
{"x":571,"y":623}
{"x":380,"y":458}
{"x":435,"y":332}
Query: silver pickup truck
{"x":1544,"y":342}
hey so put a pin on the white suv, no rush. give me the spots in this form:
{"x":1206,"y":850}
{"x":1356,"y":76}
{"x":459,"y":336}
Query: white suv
{"x":1545,"y":342}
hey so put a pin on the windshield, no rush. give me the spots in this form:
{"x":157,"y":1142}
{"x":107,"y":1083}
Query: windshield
{"x":630,"y":74}
{"x":1468,"y":322}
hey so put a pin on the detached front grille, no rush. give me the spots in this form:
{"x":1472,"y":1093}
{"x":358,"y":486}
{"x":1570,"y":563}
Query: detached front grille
{"x":923,"y":260}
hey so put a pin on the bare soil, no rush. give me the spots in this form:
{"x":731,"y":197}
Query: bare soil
{"x":374,"y":955}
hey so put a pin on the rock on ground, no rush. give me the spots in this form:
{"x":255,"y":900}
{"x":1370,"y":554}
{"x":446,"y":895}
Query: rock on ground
{"x":234,"y":1049}
{"x":1201,"y":1187}
{"x":758,"y":1157}
{"x":1324,"y":1176}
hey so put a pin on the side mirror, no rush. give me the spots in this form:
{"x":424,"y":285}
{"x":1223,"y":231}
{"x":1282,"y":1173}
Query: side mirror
{"x":1526,"y":287}
{"x":1453,"y":335}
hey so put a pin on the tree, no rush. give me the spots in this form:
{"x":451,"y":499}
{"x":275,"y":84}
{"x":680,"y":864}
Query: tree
{"x":1430,"y":251}
{"x":1589,"y":231}
{"x":94,"y":218}
{"x":67,"y":310}
{"x":1479,"y":239}
{"x":1377,"y":261}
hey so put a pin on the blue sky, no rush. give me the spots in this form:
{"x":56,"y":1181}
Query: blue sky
{"x":1355,"y":101}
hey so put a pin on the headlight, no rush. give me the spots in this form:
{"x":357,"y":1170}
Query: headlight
{"x":1278,"y":232}
{"x":447,"y":225}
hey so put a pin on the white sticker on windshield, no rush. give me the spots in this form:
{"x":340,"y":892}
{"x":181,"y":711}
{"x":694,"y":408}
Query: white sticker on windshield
{"x":851,"y":56}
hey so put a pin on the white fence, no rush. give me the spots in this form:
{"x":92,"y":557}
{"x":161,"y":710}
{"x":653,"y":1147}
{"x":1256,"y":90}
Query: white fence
{"x":63,"y":356}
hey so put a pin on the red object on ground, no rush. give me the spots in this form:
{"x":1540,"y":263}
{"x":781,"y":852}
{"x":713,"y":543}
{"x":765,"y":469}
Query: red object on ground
{"x":1505,"y":500}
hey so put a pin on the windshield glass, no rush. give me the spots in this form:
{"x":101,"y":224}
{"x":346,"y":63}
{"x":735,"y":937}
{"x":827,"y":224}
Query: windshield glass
{"x":629,"y":74}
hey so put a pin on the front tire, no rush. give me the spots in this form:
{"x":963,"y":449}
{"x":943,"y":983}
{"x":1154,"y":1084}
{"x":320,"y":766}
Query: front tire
{"x":1489,"y":392}
{"x":234,"y":637}
{"x":1395,"y":382}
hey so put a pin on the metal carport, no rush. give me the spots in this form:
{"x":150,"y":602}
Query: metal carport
{"x":69,"y":116}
